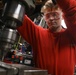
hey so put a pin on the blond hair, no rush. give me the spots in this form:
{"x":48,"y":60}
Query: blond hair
{"x":48,"y":4}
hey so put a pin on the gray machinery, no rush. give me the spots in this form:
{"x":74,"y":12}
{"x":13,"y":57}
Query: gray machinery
{"x":17,"y":69}
{"x":11,"y":18}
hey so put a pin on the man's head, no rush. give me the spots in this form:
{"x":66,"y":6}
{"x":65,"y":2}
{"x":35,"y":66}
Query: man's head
{"x":52,"y":16}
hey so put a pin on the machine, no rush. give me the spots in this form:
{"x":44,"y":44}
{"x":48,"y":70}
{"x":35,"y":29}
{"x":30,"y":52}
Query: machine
{"x":11,"y":17}
{"x":18,"y":69}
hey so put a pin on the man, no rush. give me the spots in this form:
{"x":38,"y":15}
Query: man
{"x":53,"y":48}
{"x":52,"y":16}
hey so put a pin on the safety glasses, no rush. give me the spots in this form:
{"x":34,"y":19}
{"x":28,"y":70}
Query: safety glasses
{"x":52,"y":15}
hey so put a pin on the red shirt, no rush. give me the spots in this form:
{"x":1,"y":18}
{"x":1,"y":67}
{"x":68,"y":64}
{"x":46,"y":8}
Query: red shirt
{"x":54,"y":52}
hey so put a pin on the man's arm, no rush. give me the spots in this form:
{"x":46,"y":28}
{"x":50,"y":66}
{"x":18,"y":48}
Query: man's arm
{"x":66,"y":5}
{"x":69,"y":9}
{"x":27,"y":30}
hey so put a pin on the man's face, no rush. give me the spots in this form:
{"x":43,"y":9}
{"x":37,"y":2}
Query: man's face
{"x":53,"y":18}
